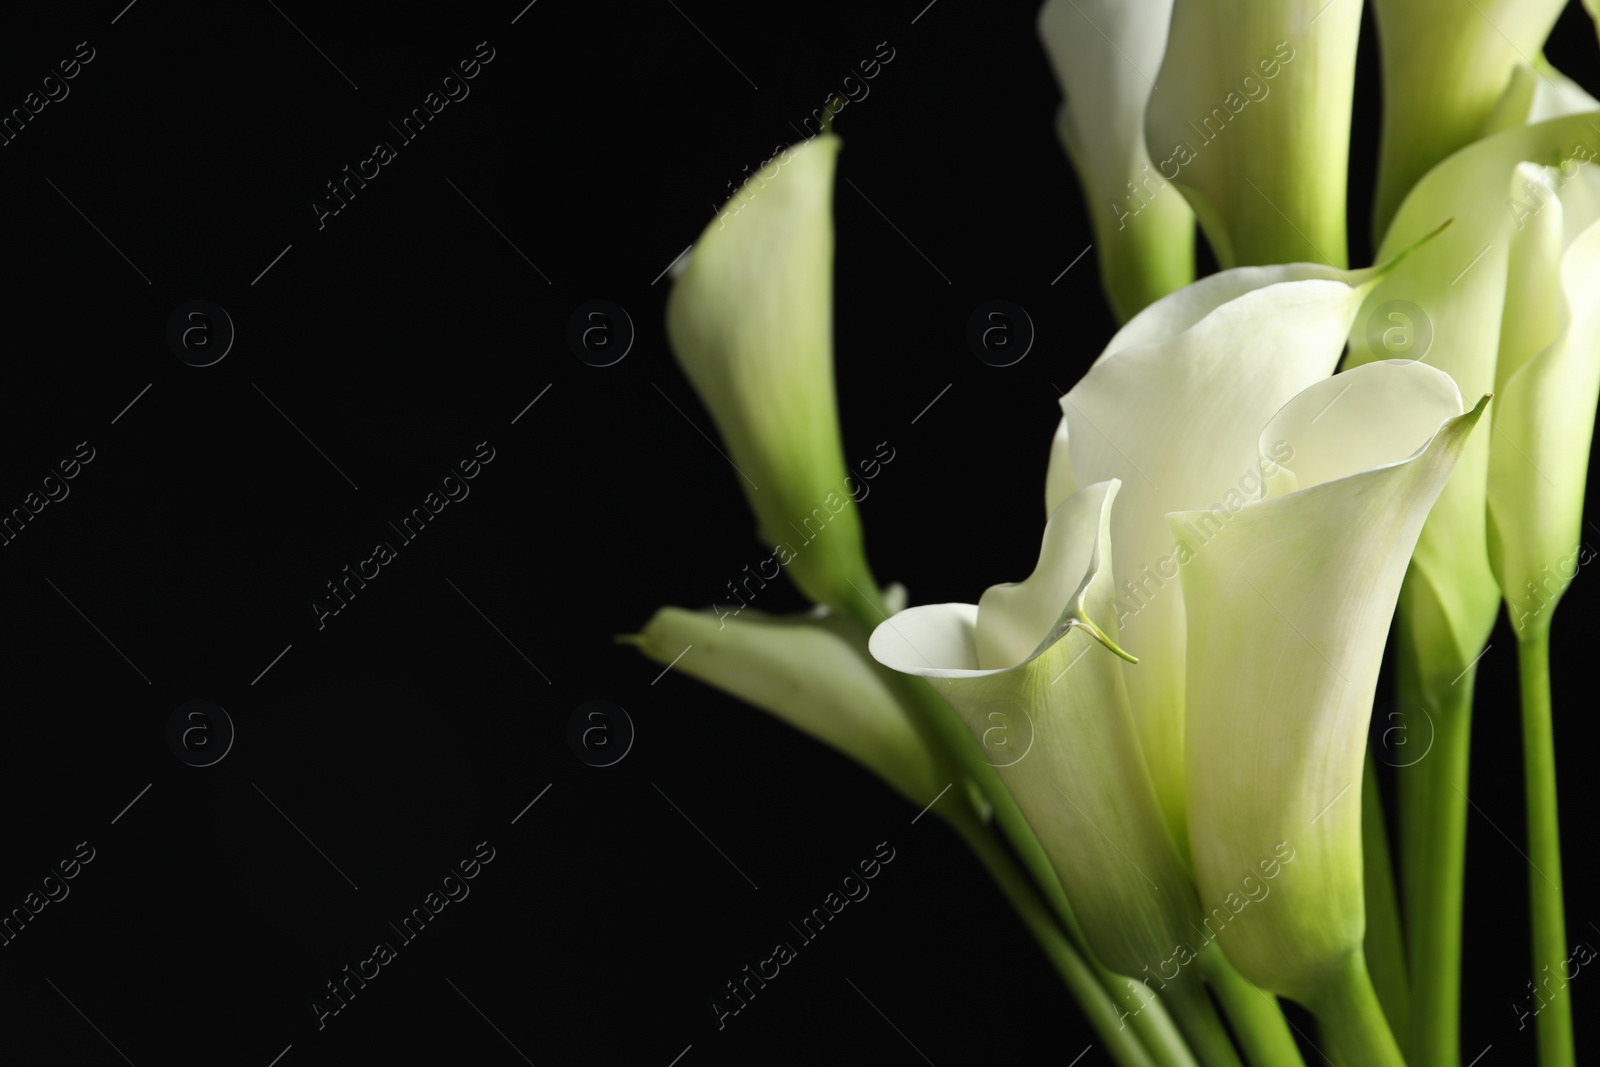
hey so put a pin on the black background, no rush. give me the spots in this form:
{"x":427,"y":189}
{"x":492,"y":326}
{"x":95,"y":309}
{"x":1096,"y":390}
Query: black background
{"x":415,"y":724}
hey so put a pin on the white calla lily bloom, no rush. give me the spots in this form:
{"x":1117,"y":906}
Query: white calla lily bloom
{"x":1288,"y":609}
{"x":1173,"y":408}
{"x":1028,"y":660}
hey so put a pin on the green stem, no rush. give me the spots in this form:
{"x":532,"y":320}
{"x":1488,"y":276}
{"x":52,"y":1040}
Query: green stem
{"x":1385,"y":945}
{"x":1198,"y":1019}
{"x":1123,"y":1042}
{"x":1257,"y":1020}
{"x":1544,"y":846}
{"x":1351,"y":1019}
{"x":1433,"y":847}
{"x":1152,"y":1021}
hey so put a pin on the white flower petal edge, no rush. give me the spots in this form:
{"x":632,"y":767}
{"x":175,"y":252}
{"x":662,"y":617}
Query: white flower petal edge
{"x":1288,"y":609}
{"x":1189,"y":306}
{"x":1024,"y":670}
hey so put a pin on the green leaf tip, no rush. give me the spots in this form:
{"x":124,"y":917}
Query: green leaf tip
{"x":1384,"y":269}
{"x":1101,"y":636}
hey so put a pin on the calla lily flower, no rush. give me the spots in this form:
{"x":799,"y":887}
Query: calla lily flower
{"x":810,"y":670}
{"x":1550,"y":366}
{"x":750,"y":319}
{"x":1288,"y":609}
{"x":1028,"y":659}
{"x":1172,"y":408}
{"x":1445,"y":71}
{"x":1474,"y":302}
{"x":1452,"y":292}
{"x":1251,"y":119}
{"x":1105,"y":55}
{"x":1548,"y":379}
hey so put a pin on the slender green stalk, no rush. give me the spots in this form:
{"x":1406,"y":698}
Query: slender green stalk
{"x":1148,"y":1016}
{"x":1433,"y":849}
{"x":1544,"y":845}
{"x":1254,"y":1014}
{"x":1127,"y":1044}
{"x":1384,"y":944}
{"x":1351,"y":1020}
{"x":1198,"y":1019}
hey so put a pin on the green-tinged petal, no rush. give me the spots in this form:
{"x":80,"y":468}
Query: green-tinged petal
{"x":1251,"y":119}
{"x":1446,"y":68}
{"x":813,"y":672}
{"x":1288,"y":610}
{"x":1173,"y":409}
{"x":1449,"y":295}
{"x":1105,"y":54}
{"x":1544,"y":416}
{"x":1537,"y":93}
{"x":750,"y":320}
{"x":1031,"y":670}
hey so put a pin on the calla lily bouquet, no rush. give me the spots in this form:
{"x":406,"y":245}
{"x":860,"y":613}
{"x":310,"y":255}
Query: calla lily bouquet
{"x":1156,"y":743}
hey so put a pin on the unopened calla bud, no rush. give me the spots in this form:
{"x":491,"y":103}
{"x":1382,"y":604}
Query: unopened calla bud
{"x":1548,"y":379}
